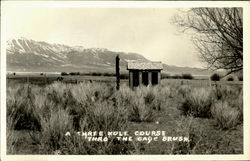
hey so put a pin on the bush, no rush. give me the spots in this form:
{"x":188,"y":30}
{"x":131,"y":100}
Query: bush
{"x":140,"y":104}
{"x":124,"y":76}
{"x":239,"y":102}
{"x":215,"y":77}
{"x":176,"y":76}
{"x":226,"y":92}
{"x":58,"y":108}
{"x":108,"y":74}
{"x":51,"y":111}
{"x":145,"y":102}
{"x":11,"y":138}
{"x":74,"y":73}
{"x":96,"y":74}
{"x":230,"y":79}
{"x":240,"y":77}
{"x":197,"y":103}
{"x":134,"y":103}
{"x":187,"y":127}
{"x":184,"y":90}
{"x":228,"y":109}
{"x":226,"y":117}
{"x":162,"y":95}
{"x":187,"y":76}
{"x":54,"y":128}
{"x":165,"y":76}
{"x":20,"y":105}
{"x":101,"y":117}
{"x":64,"y":73}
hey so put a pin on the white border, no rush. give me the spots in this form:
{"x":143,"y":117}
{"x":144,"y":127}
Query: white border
{"x":128,"y":4}
{"x":123,"y":4}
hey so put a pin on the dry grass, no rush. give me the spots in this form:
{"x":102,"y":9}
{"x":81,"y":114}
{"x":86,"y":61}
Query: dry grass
{"x":226,"y":117}
{"x":12,"y":140}
{"x":59,"y":107}
{"x":49,"y":112}
{"x":197,"y":103}
{"x":53,"y":131}
{"x":185,"y":127}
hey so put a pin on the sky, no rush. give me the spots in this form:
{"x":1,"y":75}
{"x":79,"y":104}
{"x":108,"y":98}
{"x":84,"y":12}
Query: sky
{"x":147,"y":31}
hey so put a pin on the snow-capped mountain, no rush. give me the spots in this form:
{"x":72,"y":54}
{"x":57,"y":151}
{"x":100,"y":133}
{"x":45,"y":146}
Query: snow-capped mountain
{"x":26,"y":55}
{"x":29,"y":55}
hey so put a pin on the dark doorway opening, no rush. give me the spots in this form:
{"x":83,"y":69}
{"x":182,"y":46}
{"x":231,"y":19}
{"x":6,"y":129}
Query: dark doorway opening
{"x":135,"y":78}
{"x":154,"y":78}
{"x":145,"y":78}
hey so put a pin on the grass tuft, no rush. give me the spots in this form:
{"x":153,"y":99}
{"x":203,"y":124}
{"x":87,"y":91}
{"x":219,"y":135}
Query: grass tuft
{"x":226,"y":117}
{"x":197,"y":103}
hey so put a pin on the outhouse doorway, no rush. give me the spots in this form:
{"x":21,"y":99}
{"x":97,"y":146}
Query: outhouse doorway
{"x":154,"y":78}
{"x":136,"y":78}
{"x":145,"y":78}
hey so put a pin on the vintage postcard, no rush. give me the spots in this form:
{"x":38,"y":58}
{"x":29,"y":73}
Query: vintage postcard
{"x":124,"y":80}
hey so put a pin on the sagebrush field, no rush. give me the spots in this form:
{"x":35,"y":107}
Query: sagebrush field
{"x":39,"y":116}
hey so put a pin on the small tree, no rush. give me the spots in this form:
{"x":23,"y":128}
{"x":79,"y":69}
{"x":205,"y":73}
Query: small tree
{"x":187,"y":76}
{"x":240,"y":77}
{"x":230,"y":79}
{"x":64,"y":73}
{"x":217,"y":34}
{"x":215,"y":77}
{"x":176,"y":76}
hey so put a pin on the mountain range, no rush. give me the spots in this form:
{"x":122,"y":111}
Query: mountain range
{"x":26,"y":55}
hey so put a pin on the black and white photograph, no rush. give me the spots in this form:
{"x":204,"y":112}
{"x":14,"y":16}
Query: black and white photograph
{"x":123,"y":80}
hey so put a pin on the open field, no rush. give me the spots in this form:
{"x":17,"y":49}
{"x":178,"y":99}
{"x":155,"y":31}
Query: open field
{"x":48,"y":79}
{"x":39,"y":115}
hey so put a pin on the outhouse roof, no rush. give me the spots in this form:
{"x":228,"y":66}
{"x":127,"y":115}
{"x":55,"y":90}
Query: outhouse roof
{"x":144,"y":65}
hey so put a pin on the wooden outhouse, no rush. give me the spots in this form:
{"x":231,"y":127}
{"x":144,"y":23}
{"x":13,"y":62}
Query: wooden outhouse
{"x":144,"y":73}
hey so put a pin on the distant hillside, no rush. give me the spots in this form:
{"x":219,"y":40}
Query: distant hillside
{"x":25,"y":55}
{"x":183,"y":70}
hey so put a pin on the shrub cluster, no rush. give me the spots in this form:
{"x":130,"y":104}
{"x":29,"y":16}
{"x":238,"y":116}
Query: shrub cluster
{"x":143,"y":101}
{"x":74,"y":73}
{"x":225,"y":115}
{"x":226,"y":92}
{"x":240,"y":77}
{"x":215,"y":77}
{"x":197,"y":103}
{"x":176,"y":76}
{"x":223,"y":103}
{"x":96,"y":74}
{"x":122,"y":76}
{"x":70,"y":73}
{"x":165,"y":76}
{"x":57,"y":108}
{"x":64,"y":73}
{"x":187,"y":76}
{"x":184,"y":90}
{"x":228,"y":107}
{"x":230,"y":79}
